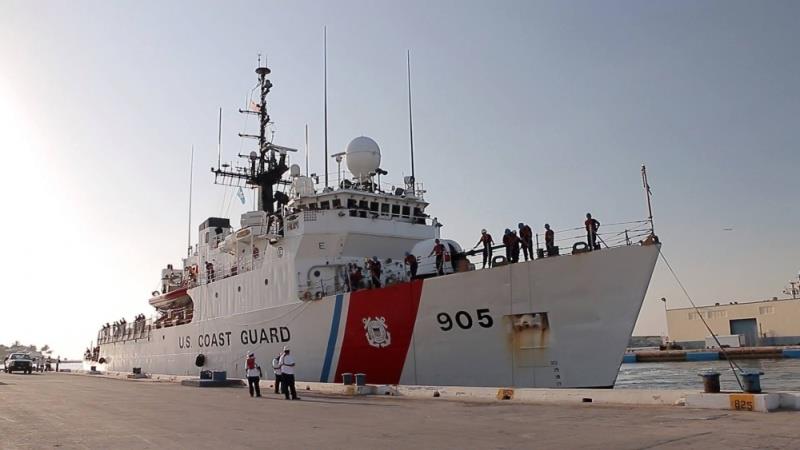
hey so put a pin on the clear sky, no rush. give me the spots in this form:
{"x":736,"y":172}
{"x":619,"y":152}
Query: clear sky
{"x":524,"y":111}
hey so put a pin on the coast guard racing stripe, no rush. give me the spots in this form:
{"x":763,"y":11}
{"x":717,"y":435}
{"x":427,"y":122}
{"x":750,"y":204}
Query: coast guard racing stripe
{"x":378,"y":331}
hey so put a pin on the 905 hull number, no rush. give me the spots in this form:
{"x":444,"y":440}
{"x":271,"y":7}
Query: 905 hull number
{"x":464,"y":320}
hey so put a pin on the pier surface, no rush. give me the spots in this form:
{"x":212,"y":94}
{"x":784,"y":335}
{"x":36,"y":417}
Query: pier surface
{"x":78,"y":411}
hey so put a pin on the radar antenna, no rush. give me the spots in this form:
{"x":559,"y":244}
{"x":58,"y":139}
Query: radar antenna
{"x":264,"y":169}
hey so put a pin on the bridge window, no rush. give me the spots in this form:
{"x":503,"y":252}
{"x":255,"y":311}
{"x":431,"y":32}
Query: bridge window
{"x":337,"y":203}
{"x":373,"y":206}
{"x":385,"y":208}
{"x":395,"y":210}
{"x":325,"y":205}
{"x":406,"y":211}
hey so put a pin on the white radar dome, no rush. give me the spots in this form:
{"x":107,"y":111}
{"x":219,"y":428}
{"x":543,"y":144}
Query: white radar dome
{"x":363,"y":157}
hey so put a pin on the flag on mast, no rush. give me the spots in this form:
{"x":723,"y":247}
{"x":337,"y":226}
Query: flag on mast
{"x":240,"y":194}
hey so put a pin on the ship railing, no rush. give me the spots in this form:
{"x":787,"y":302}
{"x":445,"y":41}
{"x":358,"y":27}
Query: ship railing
{"x":141,"y":329}
{"x":229,"y":270}
{"x":174,"y":317}
{"x":338,"y":181}
{"x":574,"y":240}
{"x":138,"y":329}
{"x":369,"y":212}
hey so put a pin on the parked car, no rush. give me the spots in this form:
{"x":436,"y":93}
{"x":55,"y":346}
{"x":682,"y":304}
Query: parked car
{"x":21,"y":362}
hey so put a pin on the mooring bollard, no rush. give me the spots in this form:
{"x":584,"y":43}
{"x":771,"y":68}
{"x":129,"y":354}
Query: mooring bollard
{"x":361,"y":379}
{"x":751,"y":381}
{"x":710,"y":381}
{"x":347,"y":379}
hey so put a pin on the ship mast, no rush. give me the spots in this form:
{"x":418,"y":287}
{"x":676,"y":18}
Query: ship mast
{"x":265,"y":169}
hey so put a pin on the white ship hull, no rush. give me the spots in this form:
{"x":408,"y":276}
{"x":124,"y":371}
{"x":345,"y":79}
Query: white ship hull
{"x":555,"y":322}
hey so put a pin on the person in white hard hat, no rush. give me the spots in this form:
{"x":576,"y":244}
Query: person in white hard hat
{"x":487,"y":241}
{"x":276,"y":369}
{"x":287,"y":374}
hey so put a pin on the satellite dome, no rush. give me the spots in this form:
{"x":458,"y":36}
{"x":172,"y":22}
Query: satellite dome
{"x":363,"y":157}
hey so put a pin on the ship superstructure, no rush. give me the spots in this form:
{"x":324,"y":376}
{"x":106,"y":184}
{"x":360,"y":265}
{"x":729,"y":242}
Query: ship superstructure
{"x":321,"y":268}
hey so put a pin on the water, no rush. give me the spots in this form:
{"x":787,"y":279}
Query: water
{"x":779,"y":374}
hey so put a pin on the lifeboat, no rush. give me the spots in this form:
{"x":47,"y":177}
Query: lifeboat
{"x":178,"y":298}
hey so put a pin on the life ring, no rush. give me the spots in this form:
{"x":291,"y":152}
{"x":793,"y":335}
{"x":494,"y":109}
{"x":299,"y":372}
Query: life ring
{"x":101,"y":360}
{"x":580,"y":247}
{"x":200,"y":361}
{"x":306,"y":295}
{"x":498,"y":260}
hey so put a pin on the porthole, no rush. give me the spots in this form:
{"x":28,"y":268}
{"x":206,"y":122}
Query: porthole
{"x":239,"y":289}
{"x":216,"y":294}
{"x":266,"y":281}
{"x":316,"y":273}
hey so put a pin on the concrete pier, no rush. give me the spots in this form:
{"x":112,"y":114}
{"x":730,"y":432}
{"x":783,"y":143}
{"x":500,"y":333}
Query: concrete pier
{"x":81,"y":411}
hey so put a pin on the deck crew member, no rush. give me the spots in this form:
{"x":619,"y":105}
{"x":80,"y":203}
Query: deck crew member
{"x":507,"y":243}
{"x":209,"y":272}
{"x":592,"y":225}
{"x":276,"y":369}
{"x":355,"y":278}
{"x":487,"y":241}
{"x":515,"y":242}
{"x":375,"y":272}
{"x":511,"y":241}
{"x":526,"y":239}
{"x":438,"y":250}
{"x":287,"y":374}
{"x":253,"y":373}
{"x":411,"y":261}
{"x":549,"y":240}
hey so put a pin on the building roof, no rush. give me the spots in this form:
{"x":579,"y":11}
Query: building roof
{"x":720,"y":305}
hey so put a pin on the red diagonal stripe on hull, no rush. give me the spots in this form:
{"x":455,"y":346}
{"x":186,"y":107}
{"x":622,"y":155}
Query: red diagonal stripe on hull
{"x":398,"y":305}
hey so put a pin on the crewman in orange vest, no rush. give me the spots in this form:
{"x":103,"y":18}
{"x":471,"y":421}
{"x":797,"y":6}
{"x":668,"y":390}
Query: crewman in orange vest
{"x":438,"y":249}
{"x":526,"y":238}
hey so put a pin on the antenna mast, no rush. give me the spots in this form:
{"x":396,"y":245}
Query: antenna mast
{"x":325,"y":95}
{"x":306,"y":149}
{"x":410,"y":121}
{"x":191,"y":173}
{"x":263,"y":169}
{"x":219,"y":139}
{"x":649,"y":194}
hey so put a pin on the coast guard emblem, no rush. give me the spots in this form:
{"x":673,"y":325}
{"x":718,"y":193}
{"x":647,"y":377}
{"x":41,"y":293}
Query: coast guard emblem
{"x":376,"y":332}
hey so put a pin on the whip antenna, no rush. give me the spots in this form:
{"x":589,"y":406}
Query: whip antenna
{"x":306,"y":149}
{"x":219,"y":139}
{"x":410,"y":121}
{"x":191,"y":173}
{"x":325,"y":95}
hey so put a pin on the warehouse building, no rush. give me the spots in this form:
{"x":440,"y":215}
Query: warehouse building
{"x":760,"y":323}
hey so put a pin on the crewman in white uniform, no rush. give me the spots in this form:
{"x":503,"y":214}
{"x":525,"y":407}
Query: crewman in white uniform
{"x":287,"y":374}
{"x":276,"y":368}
